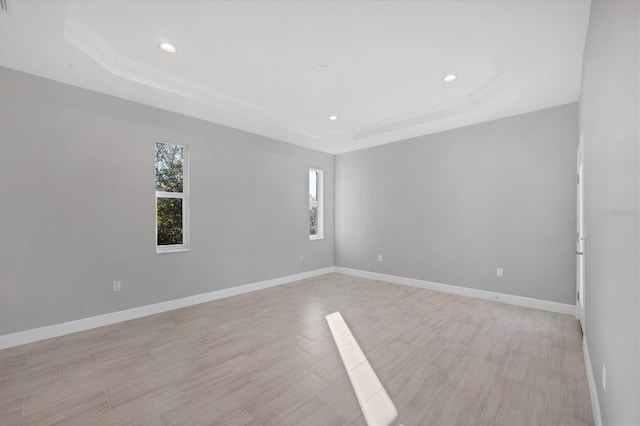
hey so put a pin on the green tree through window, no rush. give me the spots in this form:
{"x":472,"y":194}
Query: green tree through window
{"x":170,"y":196}
{"x":169,"y":167}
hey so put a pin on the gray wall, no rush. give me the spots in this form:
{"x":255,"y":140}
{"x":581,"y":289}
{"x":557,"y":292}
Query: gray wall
{"x":454,"y":206}
{"x":609,"y":122}
{"x":77,"y":207}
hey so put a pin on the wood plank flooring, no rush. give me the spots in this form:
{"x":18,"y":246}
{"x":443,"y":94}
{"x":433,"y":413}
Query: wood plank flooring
{"x":268,"y":358}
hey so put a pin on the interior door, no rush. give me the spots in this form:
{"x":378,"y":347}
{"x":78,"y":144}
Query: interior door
{"x":580,"y":258}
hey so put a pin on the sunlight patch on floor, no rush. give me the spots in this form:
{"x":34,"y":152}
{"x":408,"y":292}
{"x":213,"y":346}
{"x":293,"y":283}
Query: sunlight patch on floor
{"x":376,"y":405}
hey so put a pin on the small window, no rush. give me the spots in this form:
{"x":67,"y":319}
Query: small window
{"x":315,"y":204}
{"x":172,"y":204}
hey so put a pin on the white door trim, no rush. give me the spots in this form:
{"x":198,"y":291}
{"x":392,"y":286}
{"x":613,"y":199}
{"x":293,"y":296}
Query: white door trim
{"x":580,"y":235}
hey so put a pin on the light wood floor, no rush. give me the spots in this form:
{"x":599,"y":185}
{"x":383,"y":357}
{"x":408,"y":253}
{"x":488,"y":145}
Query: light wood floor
{"x":268,"y":358}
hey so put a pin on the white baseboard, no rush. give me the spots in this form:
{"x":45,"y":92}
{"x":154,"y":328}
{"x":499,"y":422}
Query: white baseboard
{"x":36,"y":334}
{"x":528,"y":302}
{"x":591,"y":380}
{"x":33,"y":335}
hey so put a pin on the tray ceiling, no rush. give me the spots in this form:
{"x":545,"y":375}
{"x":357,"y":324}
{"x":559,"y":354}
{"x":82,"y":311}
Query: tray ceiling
{"x":281,"y":68}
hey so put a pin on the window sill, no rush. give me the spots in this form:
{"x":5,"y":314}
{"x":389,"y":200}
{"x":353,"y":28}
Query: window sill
{"x":176,"y":250}
{"x":316,"y":237}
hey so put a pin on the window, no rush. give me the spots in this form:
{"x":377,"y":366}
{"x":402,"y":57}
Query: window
{"x":172,"y":203}
{"x":315,"y":204}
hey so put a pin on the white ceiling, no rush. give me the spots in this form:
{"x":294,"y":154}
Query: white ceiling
{"x":254,"y":65}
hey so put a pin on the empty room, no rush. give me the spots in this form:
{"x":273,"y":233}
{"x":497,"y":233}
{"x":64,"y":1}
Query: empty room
{"x":319,"y":212}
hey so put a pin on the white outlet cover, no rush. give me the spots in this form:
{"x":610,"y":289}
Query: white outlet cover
{"x":379,"y":258}
{"x":117,"y":285}
{"x":499,"y":272}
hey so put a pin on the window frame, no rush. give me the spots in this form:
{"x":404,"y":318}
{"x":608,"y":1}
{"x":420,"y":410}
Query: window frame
{"x":319,"y":203}
{"x":184,"y":196}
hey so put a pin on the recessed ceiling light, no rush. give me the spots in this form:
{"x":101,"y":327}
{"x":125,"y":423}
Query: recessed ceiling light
{"x":323,"y":64}
{"x":167,"y":47}
{"x":333,"y":117}
{"x":449,"y":78}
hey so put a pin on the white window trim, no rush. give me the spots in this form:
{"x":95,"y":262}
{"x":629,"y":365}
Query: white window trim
{"x":184,"y":195}
{"x":319,"y":203}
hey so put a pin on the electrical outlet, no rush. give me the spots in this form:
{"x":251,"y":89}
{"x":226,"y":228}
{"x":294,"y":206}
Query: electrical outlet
{"x":604,"y":377}
{"x":499,"y":272}
{"x":301,"y":257}
{"x":379,"y":258}
{"x":117,"y":285}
